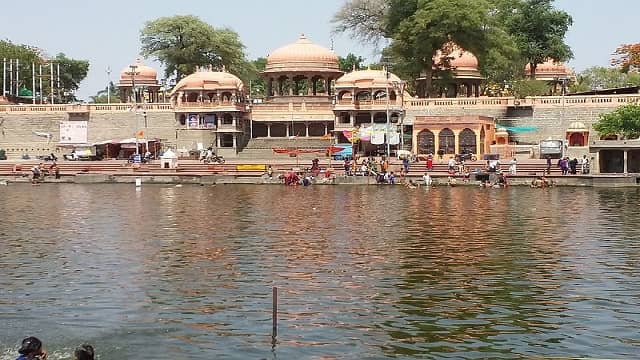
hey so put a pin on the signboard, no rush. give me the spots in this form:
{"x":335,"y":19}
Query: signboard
{"x":73,"y":132}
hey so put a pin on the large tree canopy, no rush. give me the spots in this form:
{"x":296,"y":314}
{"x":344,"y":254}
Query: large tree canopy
{"x":624,"y":121}
{"x":598,"y":78}
{"x":72,"y":71}
{"x":503,"y":34}
{"x":627,"y":57}
{"x":539,"y":30}
{"x":184,"y":43}
{"x":350,"y":62}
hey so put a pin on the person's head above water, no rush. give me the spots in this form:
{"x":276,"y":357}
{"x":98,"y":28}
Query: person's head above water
{"x":84,"y":352}
{"x":30,"y":346}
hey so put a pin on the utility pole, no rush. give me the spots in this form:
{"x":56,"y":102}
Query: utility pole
{"x":108,"y":85}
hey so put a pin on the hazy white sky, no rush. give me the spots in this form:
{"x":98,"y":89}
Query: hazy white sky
{"x":107,"y":32}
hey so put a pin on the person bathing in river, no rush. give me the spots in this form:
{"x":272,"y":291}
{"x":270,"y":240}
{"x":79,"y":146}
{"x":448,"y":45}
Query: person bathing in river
{"x":84,"y":352}
{"x":31,"y":349}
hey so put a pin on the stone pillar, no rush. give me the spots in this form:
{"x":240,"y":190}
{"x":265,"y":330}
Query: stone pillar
{"x":372,"y":117}
{"x":414,"y":142}
{"x":626,"y":158}
{"x":306,"y":129}
{"x":456,"y":142}
{"x":352,"y":118}
{"x":291,"y":85}
{"x":288,"y":132}
{"x":235,"y":141}
{"x":218,"y":142}
{"x":326,"y":128}
{"x":479,"y":146}
{"x":436,"y":142}
{"x":268,"y":130}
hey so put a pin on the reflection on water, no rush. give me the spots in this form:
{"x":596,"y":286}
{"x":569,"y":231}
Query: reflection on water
{"x":363,"y":272}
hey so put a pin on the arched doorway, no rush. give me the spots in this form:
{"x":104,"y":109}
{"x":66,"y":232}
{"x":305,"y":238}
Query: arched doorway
{"x":576,"y":139}
{"x":467,"y":141}
{"x":447,"y":141}
{"x":426,"y":142}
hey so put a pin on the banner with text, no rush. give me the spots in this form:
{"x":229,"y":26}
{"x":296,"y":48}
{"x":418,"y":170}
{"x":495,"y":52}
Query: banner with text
{"x":73,"y":132}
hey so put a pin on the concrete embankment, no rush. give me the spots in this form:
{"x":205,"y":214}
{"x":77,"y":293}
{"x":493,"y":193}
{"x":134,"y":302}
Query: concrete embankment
{"x":438,"y":179}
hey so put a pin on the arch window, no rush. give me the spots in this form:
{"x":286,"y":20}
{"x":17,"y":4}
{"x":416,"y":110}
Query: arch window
{"x":227,"y":119}
{"x":363,"y":96}
{"x":467,"y":141}
{"x":447,"y":141}
{"x":426,"y":142}
{"x":576,"y":139}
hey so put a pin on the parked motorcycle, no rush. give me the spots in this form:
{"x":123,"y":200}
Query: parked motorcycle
{"x":215,"y":159}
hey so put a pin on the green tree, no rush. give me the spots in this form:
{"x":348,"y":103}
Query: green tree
{"x":528,"y":87}
{"x":422,"y":28}
{"x":599,"y":77}
{"x":101,"y":97}
{"x":539,"y":30}
{"x":256,"y":83}
{"x":624,"y":121}
{"x":26,"y":56}
{"x":72,"y":72}
{"x":183,"y":43}
{"x":350,"y":62}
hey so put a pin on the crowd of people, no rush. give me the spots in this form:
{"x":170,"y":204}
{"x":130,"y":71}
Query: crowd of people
{"x":32,"y":348}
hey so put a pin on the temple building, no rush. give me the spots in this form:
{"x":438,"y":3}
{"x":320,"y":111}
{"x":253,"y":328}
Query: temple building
{"x":299,"y":79}
{"x":369,"y":99}
{"x":213,"y":104}
{"x":139,"y":84}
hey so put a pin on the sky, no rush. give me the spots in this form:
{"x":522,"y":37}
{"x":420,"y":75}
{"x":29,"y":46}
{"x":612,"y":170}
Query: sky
{"x":107,"y":32}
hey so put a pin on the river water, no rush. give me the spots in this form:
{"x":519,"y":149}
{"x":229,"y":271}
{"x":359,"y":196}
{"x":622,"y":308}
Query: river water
{"x":363,"y":272}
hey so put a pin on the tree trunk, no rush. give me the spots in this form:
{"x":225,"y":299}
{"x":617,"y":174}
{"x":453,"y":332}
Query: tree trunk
{"x":428,"y":82}
{"x":533,"y":67}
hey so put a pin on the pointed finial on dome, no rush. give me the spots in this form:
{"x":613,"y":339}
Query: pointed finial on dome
{"x":302,"y":36}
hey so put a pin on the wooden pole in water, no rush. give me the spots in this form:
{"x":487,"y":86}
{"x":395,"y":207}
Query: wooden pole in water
{"x":274,"y":333}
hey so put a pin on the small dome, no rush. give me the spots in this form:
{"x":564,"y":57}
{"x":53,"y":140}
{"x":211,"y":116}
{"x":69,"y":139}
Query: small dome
{"x":501,"y":131}
{"x":458,"y":58}
{"x":548,"y":68}
{"x":302,"y":55}
{"x":142,"y":72}
{"x":577,"y":125}
{"x":207,"y":79}
{"x":367,"y":79}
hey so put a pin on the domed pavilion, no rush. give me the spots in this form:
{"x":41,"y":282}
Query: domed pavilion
{"x":361,"y":97}
{"x":301,"y":69}
{"x":215,"y":101}
{"x":465,"y":73}
{"x":298,"y":102}
{"x":555,"y":73}
{"x":139,"y":83}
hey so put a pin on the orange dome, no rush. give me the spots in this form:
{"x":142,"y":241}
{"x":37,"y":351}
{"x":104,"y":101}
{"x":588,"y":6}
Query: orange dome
{"x":367,"y":79}
{"x":142,"y":72}
{"x":209,"y":80}
{"x":458,"y":58}
{"x":302,"y":55}
{"x":548,"y":68}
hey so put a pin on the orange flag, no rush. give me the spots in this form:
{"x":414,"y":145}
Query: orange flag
{"x":140,"y":134}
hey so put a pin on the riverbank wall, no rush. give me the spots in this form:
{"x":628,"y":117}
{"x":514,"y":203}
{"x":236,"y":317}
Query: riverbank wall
{"x":208,"y":180}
